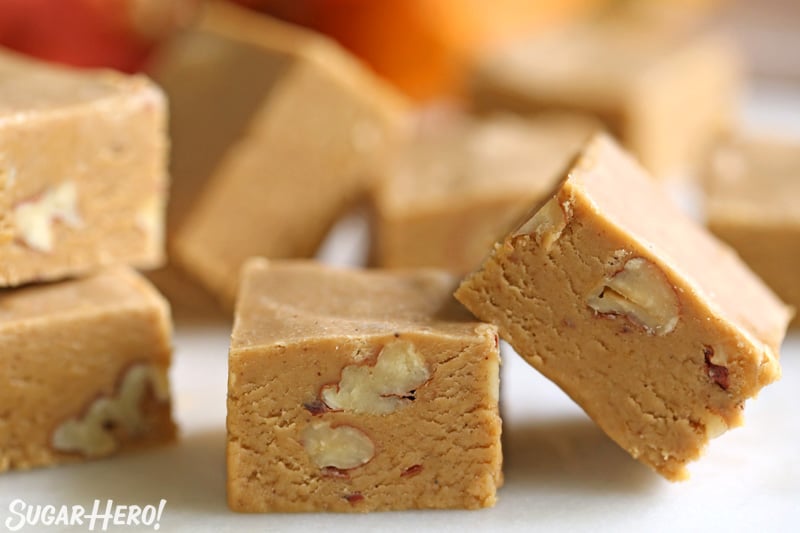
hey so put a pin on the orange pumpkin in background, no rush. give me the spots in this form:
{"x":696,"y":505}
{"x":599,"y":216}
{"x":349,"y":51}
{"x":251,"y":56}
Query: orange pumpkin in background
{"x":90,"y":33}
{"x":424,"y":46}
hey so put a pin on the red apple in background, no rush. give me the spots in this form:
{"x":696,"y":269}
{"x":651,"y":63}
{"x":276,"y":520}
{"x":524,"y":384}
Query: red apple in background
{"x":90,"y":33}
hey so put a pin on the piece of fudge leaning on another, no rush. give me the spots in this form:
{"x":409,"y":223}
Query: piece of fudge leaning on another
{"x":656,"y":329}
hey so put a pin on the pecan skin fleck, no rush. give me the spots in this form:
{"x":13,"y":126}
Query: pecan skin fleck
{"x":412,"y":470}
{"x":317,"y":407}
{"x":354,"y":498}
{"x":717,"y":373}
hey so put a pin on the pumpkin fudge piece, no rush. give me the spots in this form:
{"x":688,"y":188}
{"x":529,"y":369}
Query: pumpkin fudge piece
{"x":650,"y":324}
{"x":664,"y":90}
{"x":83,"y":370}
{"x":359,"y":391}
{"x":276,"y":133}
{"x":82,"y":171}
{"x":753,"y":185}
{"x":461,"y":185}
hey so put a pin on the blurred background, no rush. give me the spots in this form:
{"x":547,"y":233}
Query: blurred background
{"x":422,"y":46}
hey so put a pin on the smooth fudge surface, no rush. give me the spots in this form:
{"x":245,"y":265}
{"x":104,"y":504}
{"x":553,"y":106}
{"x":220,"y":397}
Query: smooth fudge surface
{"x":753,"y":187}
{"x":461,"y":184}
{"x":354,"y":391}
{"x":656,"y":329}
{"x":83,"y":370}
{"x":665,"y":90}
{"x":296,"y":143}
{"x":82,"y":171}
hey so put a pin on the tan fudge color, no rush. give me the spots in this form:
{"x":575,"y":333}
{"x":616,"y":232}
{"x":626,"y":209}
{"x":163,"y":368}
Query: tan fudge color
{"x":460,"y":186}
{"x":286,"y":126}
{"x":658,"y":331}
{"x":83,"y":158}
{"x":667,"y":95}
{"x":753,"y":191}
{"x":358,"y":391}
{"x":83,"y":370}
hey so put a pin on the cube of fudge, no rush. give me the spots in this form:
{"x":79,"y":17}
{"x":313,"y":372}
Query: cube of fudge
{"x":359,"y":391}
{"x":83,"y":370}
{"x":82,"y":171}
{"x":753,"y":187}
{"x":276,"y":132}
{"x":665,"y":91}
{"x":461,"y":185}
{"x":657,"y":330}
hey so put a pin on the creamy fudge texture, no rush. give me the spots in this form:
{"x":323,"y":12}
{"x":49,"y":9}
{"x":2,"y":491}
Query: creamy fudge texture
{"x":459,"y":186}
{"x":657,"y":330}
{"x":277,"y":128}
{"x":83,"y":370}
{"x":357,"y":391}
{"x":753,"y":187}
{"x":83,"y":160}
{"x":666,"y":92}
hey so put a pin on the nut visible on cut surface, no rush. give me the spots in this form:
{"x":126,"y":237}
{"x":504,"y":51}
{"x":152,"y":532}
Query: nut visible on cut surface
{"x":641,"y":293}
{"x":547,"y":224}
{"x":715,"y":426}
{"x":34,"y":218}
{"x":381,"y":388}
{"x":93,"y":434}
{"x":341,"y":447}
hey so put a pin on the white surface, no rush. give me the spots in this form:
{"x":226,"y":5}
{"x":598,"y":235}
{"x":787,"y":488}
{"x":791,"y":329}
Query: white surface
{"x":562,"y":473}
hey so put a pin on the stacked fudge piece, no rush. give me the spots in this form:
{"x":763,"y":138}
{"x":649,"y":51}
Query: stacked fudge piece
{"x":85,"y":339}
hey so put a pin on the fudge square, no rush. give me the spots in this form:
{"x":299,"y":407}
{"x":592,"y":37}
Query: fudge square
{"x":83,"y":158}
{"x":462,"y":184}
{"x":753,"y":185}
{"x":277,"y":131}
{"x":356,"y":391}
{"x":666,"y":91}
{"x":83,"y":370}
{"x":658,"y":331}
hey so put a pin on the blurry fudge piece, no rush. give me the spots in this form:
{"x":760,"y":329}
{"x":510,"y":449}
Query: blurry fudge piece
{"x":286,"y":127}
{"x":83,"y":370}
{"x":83,"y":158}
{"x":665,"y":92}
{"x":458,"y":187}
{"x":753,"y":190}
{"x":358,"y":391}
{"x":650,"y":324}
